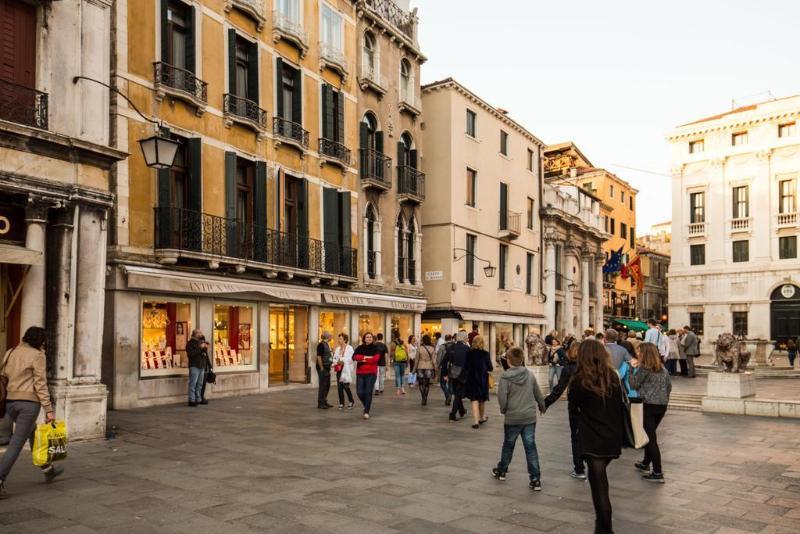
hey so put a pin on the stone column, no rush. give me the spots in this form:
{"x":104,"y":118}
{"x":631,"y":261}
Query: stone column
{"x":568,"y":327}
{"x":61,"y":297}
{"x":550,"y":285}
{"x":586,"y":321}
{"x":598,"y":309}
{"x":313,"y":339}
{"x":492,"y":341}
{"x":32,"y":303}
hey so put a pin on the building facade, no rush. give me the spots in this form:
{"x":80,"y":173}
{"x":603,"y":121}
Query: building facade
{"x":653,"y":296}
{"x":564,"y":163}
{"x":55,"y":161}
{"x":392,"y":186}
{"x":659,"y":238}
{"x":574,"y":258}
{"x":252,"y":236}
{"x":734,"y":223}
{"x":481,"y":256}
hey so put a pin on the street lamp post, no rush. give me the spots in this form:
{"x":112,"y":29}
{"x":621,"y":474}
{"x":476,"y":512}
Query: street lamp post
{"x":489,"y":270}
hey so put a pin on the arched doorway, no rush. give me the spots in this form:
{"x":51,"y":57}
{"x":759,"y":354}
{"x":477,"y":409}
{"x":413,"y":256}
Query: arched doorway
{"x":785,"y":312}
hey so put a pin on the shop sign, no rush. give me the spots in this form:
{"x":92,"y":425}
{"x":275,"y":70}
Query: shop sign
{"x":368,"y":302}
{"x":12,"y":224}
{"x":431,"y":276}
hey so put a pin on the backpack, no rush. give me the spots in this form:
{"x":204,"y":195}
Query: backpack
{"x":400,"y":354}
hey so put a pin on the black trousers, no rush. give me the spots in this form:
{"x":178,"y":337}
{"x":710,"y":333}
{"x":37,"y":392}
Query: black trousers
{"x":598,"y":481}
{"x":577,"y":461}
{"x":653,"y":414}
{"x":324,"y":386}
{"x":459,"y":390}
{"x":342,"y":389}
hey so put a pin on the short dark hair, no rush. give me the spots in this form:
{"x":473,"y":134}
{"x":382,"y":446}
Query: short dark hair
{"x":437,"y":335}
{"x":652,"y":321}
{"x":426,"y":339}
{"x":448,"y":337}
{"x":515,"y":356}
{"x":35,"y":336}
{"x":379,"y":336}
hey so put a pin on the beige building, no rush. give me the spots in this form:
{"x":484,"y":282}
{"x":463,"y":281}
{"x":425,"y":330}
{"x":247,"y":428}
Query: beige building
{"x":481,"y":259}
{"x":659,"y":238}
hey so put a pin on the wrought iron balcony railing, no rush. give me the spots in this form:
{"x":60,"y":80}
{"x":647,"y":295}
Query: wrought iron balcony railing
{"x":290,"y":131}
{"x":206,"y":235}
{"x":180,"y":80}
{"x":335,"y":150}
{"x":411,"y":183}
{"x":390,"y":12}
{"x":240,"y":107}
{"x":375,"y":167}
{"x":23,"y":105}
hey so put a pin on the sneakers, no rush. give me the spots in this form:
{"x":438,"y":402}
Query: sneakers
{"x":535,"y":485}
{"x":52,"y":472}
{"x":192,"y":404}
{"x":641,"y":466}
{"x":579,"y":476}
{"x":341,"y":407}
{"x":366,"y":416}
{"x":497,"y":475}
{"x":350,"y":406}
{"x":654,"y":477}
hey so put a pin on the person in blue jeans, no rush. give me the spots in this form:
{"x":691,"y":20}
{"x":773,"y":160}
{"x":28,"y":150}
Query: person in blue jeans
{"x":399,"y":362}
{"x":519,"y":396}
{"x":197,"y":350}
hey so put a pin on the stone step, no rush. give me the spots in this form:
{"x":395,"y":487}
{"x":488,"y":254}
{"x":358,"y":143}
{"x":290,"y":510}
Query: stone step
{"x":685,"y":407}
{"x":686,"y":398}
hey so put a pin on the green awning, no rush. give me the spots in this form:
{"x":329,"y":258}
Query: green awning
{"x":636,"y":326}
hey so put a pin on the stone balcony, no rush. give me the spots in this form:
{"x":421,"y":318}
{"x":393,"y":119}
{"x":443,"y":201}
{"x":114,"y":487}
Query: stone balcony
{"x":697,"y":229}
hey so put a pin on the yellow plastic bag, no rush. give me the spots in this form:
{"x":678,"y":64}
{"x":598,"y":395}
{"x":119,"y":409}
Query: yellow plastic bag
{"x":49,"y":443}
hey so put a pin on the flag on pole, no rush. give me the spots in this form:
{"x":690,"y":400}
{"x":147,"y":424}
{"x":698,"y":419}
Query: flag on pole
{"x":614,"y":263}
{"x":635,"y":272}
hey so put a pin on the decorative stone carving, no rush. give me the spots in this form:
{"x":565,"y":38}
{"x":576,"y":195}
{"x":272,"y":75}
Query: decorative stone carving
{"x":729,"y":355}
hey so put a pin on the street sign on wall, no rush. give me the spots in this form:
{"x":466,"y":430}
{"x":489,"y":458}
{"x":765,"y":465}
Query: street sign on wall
{"x":431,"y":276}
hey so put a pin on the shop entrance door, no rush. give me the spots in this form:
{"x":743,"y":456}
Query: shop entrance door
{"x":288,"y":345}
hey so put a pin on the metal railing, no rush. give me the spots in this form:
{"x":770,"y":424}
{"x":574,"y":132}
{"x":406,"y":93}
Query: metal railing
{"x":787,"y":219}
{"x":376,"y":166}
{"x":697,"y":228}
{"x":390,"y":12}
{"x":372,"y":264}
{"x":181,"y":80}
{"x":290,"y":130}
{"x":740,"y":224}
{"x":23,"y":105}
{"x":334,"y":149}
{"x":511,"y":222}
{"x":244,"y":108}
{"x":411,"y":182}
{"x":193,"y":231}
{"x":289,"y":26}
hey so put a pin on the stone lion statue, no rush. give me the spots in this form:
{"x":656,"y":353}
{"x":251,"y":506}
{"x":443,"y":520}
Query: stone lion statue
{"x":729,"y":354}
{"x":537,"y":350}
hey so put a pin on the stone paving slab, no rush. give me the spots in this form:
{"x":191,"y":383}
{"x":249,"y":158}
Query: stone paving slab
{"x":274,"y":463}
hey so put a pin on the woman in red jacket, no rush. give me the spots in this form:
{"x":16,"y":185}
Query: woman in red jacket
{"x":366,"y":357}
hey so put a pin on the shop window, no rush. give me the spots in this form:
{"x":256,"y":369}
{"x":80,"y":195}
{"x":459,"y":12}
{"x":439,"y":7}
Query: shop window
{"x":402,"y":326}
{"x":166,"y":328}
{"x":235,"y":337}
{"x":369,"y":322}
{"x":288,"y":345}
{"x":333,"y":321}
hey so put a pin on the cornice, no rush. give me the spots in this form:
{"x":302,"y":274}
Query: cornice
{"x":719,"y":125}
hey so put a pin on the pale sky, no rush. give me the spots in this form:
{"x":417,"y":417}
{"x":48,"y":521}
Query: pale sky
{"x":615,"y":76}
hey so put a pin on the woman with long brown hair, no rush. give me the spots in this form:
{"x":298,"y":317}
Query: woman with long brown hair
{"x":595,"y":401}
{"x":651,"y":380}
{"x":578,"y":471}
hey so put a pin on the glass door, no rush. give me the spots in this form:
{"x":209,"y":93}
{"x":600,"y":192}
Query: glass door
{"x":288,"y":345}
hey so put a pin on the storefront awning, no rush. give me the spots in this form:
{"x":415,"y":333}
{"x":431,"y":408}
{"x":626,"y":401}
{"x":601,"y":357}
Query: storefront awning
{"x":150,"y":279}
{"x":501,"y":318}
{"x":370,"y":300}
{"x":636,"y":326}
{"x":19,"y":255}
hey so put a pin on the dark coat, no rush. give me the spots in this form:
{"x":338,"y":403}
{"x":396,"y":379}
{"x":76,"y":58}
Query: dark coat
{"x":479,"y":365}
{"x":600,"y":421}
{"x":198,"y":356}
{"x":563,"y":382}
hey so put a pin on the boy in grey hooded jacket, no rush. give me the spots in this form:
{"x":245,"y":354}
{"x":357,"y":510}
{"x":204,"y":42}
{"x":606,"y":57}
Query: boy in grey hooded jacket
{"x":518,"y":394}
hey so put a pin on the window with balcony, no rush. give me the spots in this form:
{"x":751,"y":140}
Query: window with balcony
{"x":371,"y":237}
{"x":531,"y":214}
{"x":245,"y":207}
{"x":696,"y":322}
{"x":787,"y":247}
{"x":739,"y":321}
{"x":504,"y":143}
{"x":288,"y":120}
{"x":242,"y":98}
{"x":290,"y":9}
{"x":697,"y":254}
{"x":787,"y":201}
{"x":503,"y":264}
{"x":178,"y":219}
{"x":696,"y":147}
{"x":407,"y":94}
{"x":410,"y":181}
{"x":178,"y":35}
{"x":469,"y":258}
{"x":623,"y":230}
{"x":336,"y":231}
{"x":472,"y":123}
{"x":741,"y":203}
{"x":697,"y":210}
{"x":331,"y":143}
{"x":472,"y":186}
{"x":741,"y":251}
{"x":528,"y":273}
{"x":739,"y":139}
{"x":374,"y":164}
{"x":787,"y":130}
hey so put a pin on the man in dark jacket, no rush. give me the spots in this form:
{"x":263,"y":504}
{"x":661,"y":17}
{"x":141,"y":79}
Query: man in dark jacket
{"x":324,"y":361}
{"x":197,"y":350}
{"x":383,"y":350}
{"x":691,"y":345}
{"x":443,"y":365}
{"x":457,"y":377}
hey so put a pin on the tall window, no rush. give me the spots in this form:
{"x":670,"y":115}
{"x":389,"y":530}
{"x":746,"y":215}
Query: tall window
{"x":630,"y":202}
{"x":503,"y":261}
{"x":411,"y":270}
{"x":697,"y":207}
{"x":472,"y":123}
{"x":401,"y":249}
{"x":529,"y":273}
{"x":406,"y":89}
{"x":696,"y":322}
{"x":557,"y":274}
{"x":531,"y":160}
{"x":242,"y":56}
{"x":739,"y":139}
{"x":531,"y":213}
{"x":290,"y":206}
{"x":178,"y":31}
{"x":331,"y":29}
{"x":740,"y":202}
{"x":697,"y":254}
{"x":611,"y":190}
{"x":372,"y":259}
{"x":787,"y":247}
{"x":605,"y":223}
{"x":179,"y":186}
{"x":632,"y":235}
{"x":786,"y":130}
{"x":245,"y":171}
{"x":289,"y":9}
{"x":622,"y":197}
{"x":740,"y":323}
{"x":472,"y":241}
{"x":472,"y":184}
{"x":370,"y":55}
{"x":503,"y":143}
{"x":787,"y":201}
{"x":613,"y":228}
{"x":623,"y":230}
{"x":332,"y":114}
{"x":290,"y":101}
{"x":695,"y":147}
{"x":741,"y":251}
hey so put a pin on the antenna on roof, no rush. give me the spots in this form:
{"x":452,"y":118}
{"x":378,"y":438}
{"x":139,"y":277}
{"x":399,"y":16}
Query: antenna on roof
{"x":742,"y":100}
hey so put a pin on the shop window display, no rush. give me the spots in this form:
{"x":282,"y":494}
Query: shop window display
{"x":235,"y":343}
{"x":288,"y":344}
{"x":369,"y":322}
{"x":504,"y":333}
{"x":402,"y":326}
{"x":333,"y":321}
{"x":166,"y":328}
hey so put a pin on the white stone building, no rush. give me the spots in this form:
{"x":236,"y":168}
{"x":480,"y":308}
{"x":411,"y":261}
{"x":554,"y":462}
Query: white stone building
{"x":734,"y":223}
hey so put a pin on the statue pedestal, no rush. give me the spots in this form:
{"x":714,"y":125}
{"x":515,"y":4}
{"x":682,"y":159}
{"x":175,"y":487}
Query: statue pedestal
{"x":542,"y":374}
{"x":731,"y":385}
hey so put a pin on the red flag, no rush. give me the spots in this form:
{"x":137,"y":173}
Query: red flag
{"x":635,"y":270}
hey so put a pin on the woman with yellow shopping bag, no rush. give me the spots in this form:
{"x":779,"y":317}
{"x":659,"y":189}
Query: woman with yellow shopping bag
{"x":23,"y":372}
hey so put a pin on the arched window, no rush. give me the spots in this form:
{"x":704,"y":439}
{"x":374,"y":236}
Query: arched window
{"x":406,"y":153}
{"x":369,"y":127}
{"x":369,"y":234}
{"x":370,"y":56}
{"x":406,"y":87}
{"x":401,"y":248}
{"x":411,"y":245}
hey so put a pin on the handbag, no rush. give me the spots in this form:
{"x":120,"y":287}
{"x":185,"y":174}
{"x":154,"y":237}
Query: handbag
{"x":412,"y":378}
{"x":4,"y":384}
{"x":49,"y":443}
{"x":640,"y":438}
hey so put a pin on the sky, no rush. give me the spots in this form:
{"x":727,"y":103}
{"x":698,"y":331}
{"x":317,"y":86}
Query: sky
{"x":615,"y":76}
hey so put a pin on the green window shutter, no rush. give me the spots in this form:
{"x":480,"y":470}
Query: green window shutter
{"x":303,"y":252}
{"x":164,"y":230}
{"x":230,"y":202}
{"x":297,"y":97}
{"x":340,"y":117}
{"x":400,"y":153}
{"x":379,"y":142}
{"x":232,"y":61}
{"x":381,"y":170}
{"x":364,"y":160}
{"x":330,"y":230}
{"x":345,"y":235}
{"x":194,"y":219}
{"x":260,"y":212}
{"x":413,"y":159}
{"x":252,"y":73}
{"x":279,"y":87}
{"x":190,"y":40}
{"x":363,"y":136}
{"x":327,"y":112}
{"x":164,"y":32}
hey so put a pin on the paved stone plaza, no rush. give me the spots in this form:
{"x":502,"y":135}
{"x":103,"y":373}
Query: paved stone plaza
{"x":274,"y":463}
